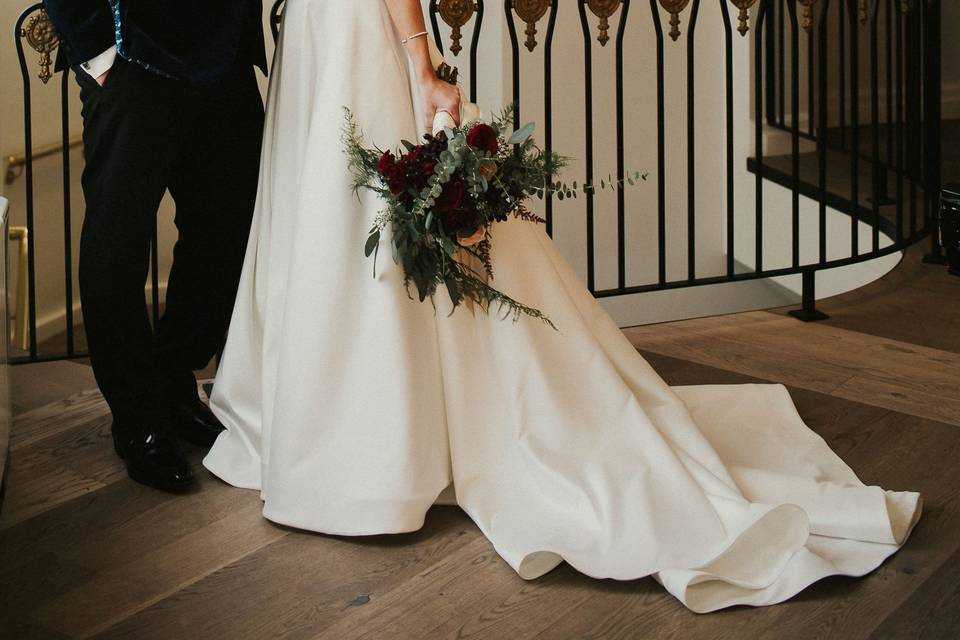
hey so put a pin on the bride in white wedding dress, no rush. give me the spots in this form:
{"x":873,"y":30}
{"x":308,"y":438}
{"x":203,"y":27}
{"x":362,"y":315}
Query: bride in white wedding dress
{"x":351,"y":407}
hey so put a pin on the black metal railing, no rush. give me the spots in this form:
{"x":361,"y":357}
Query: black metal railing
{"x":807,"y":61}
{"x":33,"y":28}
{"x":885,"y":61}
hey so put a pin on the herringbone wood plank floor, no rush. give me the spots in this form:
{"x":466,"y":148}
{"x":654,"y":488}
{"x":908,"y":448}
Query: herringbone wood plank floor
{"x":84,"y":552}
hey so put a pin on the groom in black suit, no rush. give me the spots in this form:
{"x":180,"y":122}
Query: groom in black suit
{"x":170,"y":102}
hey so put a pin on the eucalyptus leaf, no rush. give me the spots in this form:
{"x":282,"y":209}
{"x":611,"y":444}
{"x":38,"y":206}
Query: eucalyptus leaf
{"x":448,"y":246}
{"x":520,"y":135}
{"x":372,"y":243}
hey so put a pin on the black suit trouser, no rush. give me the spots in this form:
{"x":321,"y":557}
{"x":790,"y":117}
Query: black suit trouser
{"x":143,"y":135}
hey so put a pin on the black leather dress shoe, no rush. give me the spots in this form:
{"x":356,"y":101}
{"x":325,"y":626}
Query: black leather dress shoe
{"x":154,"y":459}
{"x":195,"y":423}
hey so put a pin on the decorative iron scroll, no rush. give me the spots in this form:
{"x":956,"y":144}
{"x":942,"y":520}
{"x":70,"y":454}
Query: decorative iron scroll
{"x":674,"y":7}
{"x":42,"y":38}
{"x":807,"y":15}
{"x":603,"y":9}
{"x":744,"y":15}
{"x":530,"y":11}
{"x":456,"y":13}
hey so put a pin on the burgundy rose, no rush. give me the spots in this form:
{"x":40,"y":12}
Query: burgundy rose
{"x":451,"y":198}
{"x":386,"y":164}
{"x":392,"y":171}
{"x":451,"y":207}
{"x":483,"y":137}
{"x":396,"y":183}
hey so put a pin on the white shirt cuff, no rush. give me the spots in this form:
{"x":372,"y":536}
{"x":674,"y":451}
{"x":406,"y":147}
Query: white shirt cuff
{"x":96,"y":67}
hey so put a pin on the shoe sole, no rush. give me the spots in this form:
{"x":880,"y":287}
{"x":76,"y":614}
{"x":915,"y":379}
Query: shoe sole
{"x":168,"y":487}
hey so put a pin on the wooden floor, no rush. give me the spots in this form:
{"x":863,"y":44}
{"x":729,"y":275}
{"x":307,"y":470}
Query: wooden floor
{"x":85,"y":552}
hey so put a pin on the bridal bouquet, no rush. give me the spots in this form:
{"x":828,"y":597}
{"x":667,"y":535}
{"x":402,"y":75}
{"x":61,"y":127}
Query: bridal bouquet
{"x":442,"y":196}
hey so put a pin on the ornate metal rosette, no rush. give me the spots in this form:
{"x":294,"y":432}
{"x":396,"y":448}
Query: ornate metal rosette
{"x":674,"y":7}
{"x":456,"y":13}
{"x":807,"y":15}
{"x":603,"y":9}
{"x":744,"y":15}
{"x":530,"y":11}
{"x":42,"y":38}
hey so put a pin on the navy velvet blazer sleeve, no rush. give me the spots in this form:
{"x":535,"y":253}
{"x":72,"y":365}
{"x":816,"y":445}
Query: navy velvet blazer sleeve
{"x":85,"y":26}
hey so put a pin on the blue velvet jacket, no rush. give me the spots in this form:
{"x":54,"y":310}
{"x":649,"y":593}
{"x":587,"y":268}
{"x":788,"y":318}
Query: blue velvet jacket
{"x":192,"y":40}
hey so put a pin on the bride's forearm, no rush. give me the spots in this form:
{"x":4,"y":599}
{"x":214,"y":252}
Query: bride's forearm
{"x":407,"y":17}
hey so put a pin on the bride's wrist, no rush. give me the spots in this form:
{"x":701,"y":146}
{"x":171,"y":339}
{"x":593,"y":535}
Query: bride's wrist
{"x":420,"y":58}
{"x":425,"y":73}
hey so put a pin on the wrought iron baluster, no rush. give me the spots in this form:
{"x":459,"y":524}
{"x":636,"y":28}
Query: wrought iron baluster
{"x":67,"y":215}
{"x":661,"y":151}
{"x":621,"y":162}
{"x":548,"y":103}
{"x":758,"y":136}
{"x":728,"y":91}
{"x":822,"y":125}
{"x":854,"y":131}
{"x":930,"y":14}
{"x":875,"y":172}
{"x":39,"y":35}
{"x":588,"y":142}
{"x":691,"y":147}
{"x":795,"y":132}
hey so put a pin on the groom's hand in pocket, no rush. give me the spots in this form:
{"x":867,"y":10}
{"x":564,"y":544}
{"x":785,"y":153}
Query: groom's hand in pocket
{"x":102,"y":78}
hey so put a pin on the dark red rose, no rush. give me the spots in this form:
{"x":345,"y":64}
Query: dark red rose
{"x":395,"y":182}
{"x":451,"y":207}
{"x":451,"y":197}
{"x":392,"y":171}
{"x":484,"y":138}
{"x":386,"y":164}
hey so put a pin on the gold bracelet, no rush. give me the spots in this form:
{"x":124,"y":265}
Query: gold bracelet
{"x":414,"y":36}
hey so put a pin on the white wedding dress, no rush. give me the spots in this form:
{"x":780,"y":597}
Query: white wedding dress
{"x":351,"y":407}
